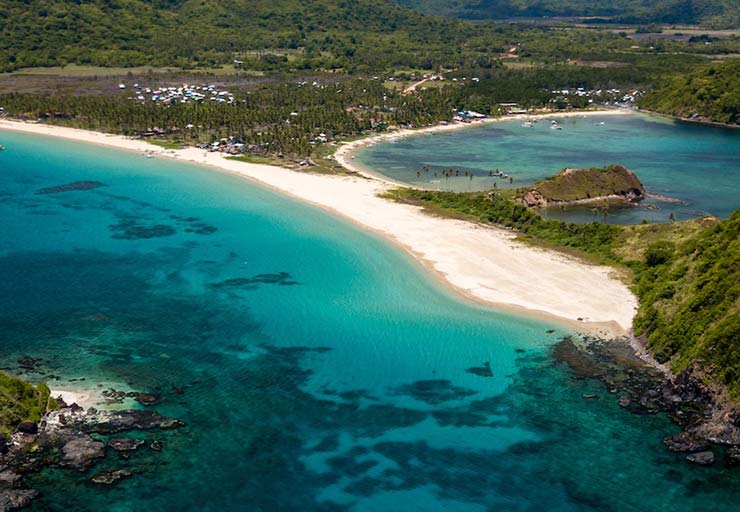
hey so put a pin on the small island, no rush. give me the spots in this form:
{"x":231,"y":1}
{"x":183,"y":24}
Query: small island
{"x":613,"y":184}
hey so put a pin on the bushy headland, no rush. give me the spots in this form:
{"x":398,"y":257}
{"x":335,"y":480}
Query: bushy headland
{"x":709,"y":94}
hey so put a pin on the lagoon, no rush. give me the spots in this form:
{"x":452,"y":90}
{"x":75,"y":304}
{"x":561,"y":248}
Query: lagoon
{"x":697,"y":165}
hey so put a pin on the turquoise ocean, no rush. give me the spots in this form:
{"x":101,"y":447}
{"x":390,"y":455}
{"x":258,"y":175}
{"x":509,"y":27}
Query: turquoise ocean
{"x":317,"y":367}
{"x":698,"y":166}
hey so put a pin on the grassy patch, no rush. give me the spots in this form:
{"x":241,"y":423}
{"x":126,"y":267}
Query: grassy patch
{"x":166,"y":143}
{"x":21,"y":401}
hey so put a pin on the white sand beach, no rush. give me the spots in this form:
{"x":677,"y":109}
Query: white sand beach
{"x":80,"y":397}
{"x":481,"y":262}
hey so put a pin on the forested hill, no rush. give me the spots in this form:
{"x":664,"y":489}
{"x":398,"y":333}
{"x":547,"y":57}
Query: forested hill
{"x":717,"y":13}
{"x":363,"y":34}
{"x":690,"y":301}
{"x":710,"y":93}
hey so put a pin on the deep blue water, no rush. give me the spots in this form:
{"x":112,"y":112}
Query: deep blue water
{"x":322,"y":368}
{"x":698,"y":165}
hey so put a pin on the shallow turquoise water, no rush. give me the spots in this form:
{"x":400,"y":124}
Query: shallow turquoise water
{"x":698,"y":165}
{"x":323,"y":370}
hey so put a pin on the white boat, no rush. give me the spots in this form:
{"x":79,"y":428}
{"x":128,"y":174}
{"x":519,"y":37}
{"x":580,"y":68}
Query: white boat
{"x":556,"y":127}
{"x":528,"y":124}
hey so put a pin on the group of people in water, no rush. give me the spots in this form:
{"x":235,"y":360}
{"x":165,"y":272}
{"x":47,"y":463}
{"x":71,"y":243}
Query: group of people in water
{"x":448,"y":173}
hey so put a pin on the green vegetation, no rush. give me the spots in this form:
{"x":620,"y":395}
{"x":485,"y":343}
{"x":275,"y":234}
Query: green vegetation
{"x":256,"y":37}
{"x":721,"y":13}
{"x":279,"y":119}
{"x":686,"y":274}
{"x":595,"y":239}
{"x":21,"y":401}
{"x":690,"y":300}
{"x":349,"y":35}
{"x":582,"y":184}
{"x":711,"y":93}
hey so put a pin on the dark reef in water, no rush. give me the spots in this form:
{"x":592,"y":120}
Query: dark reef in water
{"x":131,"y":229}
{"x":250,"y":283}
{"x":70,"y":187}
{"x":709,"y":419}
{"x":434,"y":391}
{"x":63,"y":439}
{"x":481,"y":371}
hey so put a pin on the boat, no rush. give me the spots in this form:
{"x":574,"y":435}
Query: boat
{"x":556,"y":127}
{"x":528,"y":124}
{"x":2,"y":147}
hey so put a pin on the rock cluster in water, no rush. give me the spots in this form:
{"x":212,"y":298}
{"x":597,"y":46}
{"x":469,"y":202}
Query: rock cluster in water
{"x":63,"y":439}
{"x":709,"y":419}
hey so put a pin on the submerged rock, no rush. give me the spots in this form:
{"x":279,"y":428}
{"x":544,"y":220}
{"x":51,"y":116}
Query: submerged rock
{"x":481,"y":371}
{"x":702,"y":458}
{"x":14,"y":499}
{"x":125,"y":444}
{"x":732,"y":456}
{"x":69,"y":187}
{"x":148,"y":399}
{"x":111,"y":476}
{"x":685,"y":442}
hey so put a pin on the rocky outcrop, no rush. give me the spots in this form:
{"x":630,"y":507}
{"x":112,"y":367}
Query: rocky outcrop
{"x":80,"y":452}
{"x":705,"y":458}
{"x":613,"y":183}
{"x":110,"y":477}
{"x":532,"y":198}
{"x":705,"y":412}
{"x":62,"y":439}
{"x":14,"y":499}
{"x":125,"y":444}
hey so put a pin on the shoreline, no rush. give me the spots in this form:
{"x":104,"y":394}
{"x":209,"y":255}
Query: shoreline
{"x":480,"y":263}
{"x":81,"y":397}
{"x":688,"y":120}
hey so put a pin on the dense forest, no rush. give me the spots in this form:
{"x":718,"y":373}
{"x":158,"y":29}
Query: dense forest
{"x":716,"y":13}
{"x":711,"y":93}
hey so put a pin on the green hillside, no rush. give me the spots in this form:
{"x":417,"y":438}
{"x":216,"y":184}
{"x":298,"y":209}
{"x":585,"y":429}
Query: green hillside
{"x":718,"y":13}
{"x":690,"y":300}
{"x":711,"y":93}
{"x":315,"y":34}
